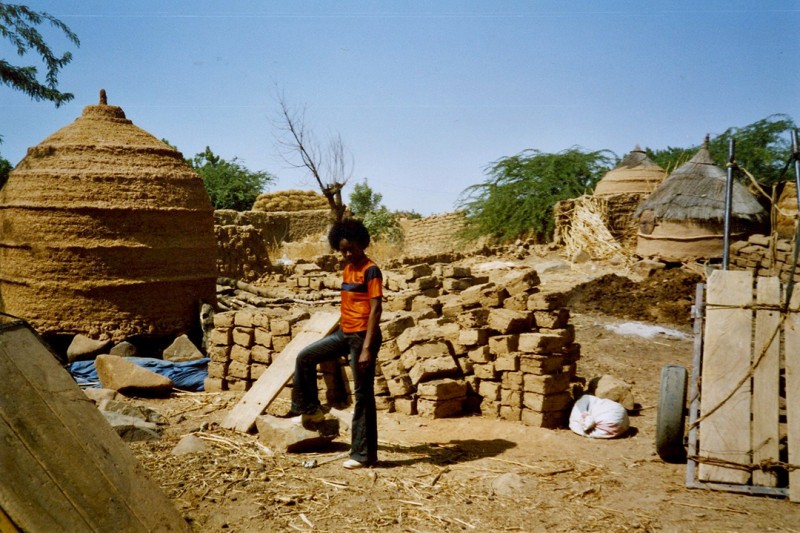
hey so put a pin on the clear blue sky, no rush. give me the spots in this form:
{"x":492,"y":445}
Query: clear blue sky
{"x":425,"y":94}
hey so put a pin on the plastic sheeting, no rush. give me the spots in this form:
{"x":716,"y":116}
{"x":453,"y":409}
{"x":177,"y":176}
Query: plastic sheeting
{"x":186,"y":375}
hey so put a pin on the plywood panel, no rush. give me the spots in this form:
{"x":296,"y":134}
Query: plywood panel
{"x":266,"y":388}
{"x":725,"y":433}
{"x":792,"y":355}
{"x":766,"y":354}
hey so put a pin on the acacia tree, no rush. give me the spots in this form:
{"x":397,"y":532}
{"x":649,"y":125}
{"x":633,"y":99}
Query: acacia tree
{"x":18,"y":24}
{"x":230,"y":184}
{"x":331,"y":166}
{"x":518,"y":197}
{"x":365,"y":204}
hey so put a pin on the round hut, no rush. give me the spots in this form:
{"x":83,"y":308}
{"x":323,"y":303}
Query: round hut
{"x":683,"y":219}
{"x":106,"y":231}
{"x":635,"y":174}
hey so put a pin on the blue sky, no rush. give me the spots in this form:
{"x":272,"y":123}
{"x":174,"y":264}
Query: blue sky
{"x":425,"y":94}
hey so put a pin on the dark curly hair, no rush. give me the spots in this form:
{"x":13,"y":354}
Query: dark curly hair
{"x":351,"y":229}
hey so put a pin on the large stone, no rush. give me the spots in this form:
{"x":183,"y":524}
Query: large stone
{"x":284,"y":435}
{"x":83,"y":347}
{"x":142,"y":412}
{"x":182,"y":349}
{"x":123,"y":349}
{"x":118,"y":373}
{"x":612,"y":388}
{"x":130,"y":428}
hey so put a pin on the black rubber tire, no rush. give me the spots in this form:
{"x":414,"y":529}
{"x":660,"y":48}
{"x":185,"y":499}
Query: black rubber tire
{"x":671,"y":414}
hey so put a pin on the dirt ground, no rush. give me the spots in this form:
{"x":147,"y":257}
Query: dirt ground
{"x":473,"y":473}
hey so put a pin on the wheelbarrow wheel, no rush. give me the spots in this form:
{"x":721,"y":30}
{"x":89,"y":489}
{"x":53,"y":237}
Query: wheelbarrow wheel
{"x":670,"y":417}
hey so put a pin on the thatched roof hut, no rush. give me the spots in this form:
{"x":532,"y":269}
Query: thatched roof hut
{"x":635,"y":174}
{"x":106,"y":232}
{"x":683,"y":219}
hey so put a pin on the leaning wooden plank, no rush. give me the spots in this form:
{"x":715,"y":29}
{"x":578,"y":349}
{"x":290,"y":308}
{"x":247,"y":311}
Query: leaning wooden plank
{"x":243,"y":415}
{"x":765,"y":378}
{"x":725,"y":432}
{"x":63,"y":467}
{"x":792,"y":356}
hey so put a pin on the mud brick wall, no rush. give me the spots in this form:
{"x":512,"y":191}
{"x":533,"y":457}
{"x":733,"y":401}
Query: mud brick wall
{"x":432,"y":234}
{"x":765,"y":256}
{"x":454,"y":343}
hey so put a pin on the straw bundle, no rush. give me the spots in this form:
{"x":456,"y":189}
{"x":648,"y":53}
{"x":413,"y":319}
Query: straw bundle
{"x":291,"y":200}
{"x":587,"y":230}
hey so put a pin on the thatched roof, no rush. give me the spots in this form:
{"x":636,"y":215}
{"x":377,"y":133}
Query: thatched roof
{"x":696,"y":191}
{"x":636,"y":173}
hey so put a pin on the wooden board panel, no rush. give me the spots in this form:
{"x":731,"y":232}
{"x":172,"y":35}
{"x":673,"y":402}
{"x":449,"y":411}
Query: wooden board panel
{"x":792,"y":355}
{"x":63,"y":467}
{"x":266,"y":388}
{"x":765,"y":378}
{"x":725,"y":433}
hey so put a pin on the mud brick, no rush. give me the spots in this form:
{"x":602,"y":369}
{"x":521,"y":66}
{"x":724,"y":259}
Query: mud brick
{"x":262,"y":337}
{"x":520,"y":282}
{"x":393,"y":368}
{"x":400,"y":385}
{"x":224,"y":320}
{"x":389,"y":351}
{"x":484,"y":371}
{"x":422,"y":303}
{"x":235,"y":384}
{"x":570,"y":369}
{"x":784,"y":246}
{"x":546,"y":384}
{"x":220,"y":336}
{"x":503,"y":344}
{"x":518,"y":302}
{"x":280,"y":326}
{"x":481,"y":354}
{"x":546,"y":402}
{"x":440,"y":408}
{"x":243,"y":318}
{"x":547,"y":419}
{"x":436,"y":367}
{"x":489,"y":390}
{"x":472,"y":384}
{"x":240,"y":354}
{"x":381,"y":388}
{"x":508,"y":412}
{"x":511,"y":397}
{"x":506,"y":321}
{"x":400,"y":302}
{"x":736,"y":246}
{"x":473,"y":336}
{"x":405,"y":405}
{"x":316,"y":283}
{"x":214,"y":384}
{"x":442,"y":389}
{"x":395,"y":326}
{"x":513,"y":380}
{"x":256,"y":369}
{"x":486,"y":295}
{"x":420,"y":333}
{"x":544,"y":343}
{"x":546,"y":301}
{"x":261,"y":354}
{"x":556,"y":319}
{"x":425,"y":283}
{"x":242,"y":336}
{"x":473,"y":318}
{"x":417,"y":271}
{"x":384,"y":403}
{"x":448,"y":330}
{"x":219,"y":353}
{"x":541,"y":364}
{"x":571,"y":352}
{"x":420,"y":352}
{"x":507,"y":362}
{"x":453,"y":308}
{"x":455,"y":271}
{"x":238,"y":369}
{"x":465,"y":364}
{"x":279,"y":342}
{"x":490,"y":409}
{"x":217,"y":369}
{"x":261,"y":320}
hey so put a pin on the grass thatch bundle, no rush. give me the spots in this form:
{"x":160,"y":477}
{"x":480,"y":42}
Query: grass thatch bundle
{"x":291,"y":200}
{"x":587,"y":230}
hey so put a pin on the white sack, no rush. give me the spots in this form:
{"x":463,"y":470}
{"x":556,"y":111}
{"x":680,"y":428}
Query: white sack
{"x":599,"y":418}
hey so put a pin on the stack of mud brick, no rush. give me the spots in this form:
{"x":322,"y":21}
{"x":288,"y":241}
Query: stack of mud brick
{"x":764,"y":256}
{"x":495,"y":344}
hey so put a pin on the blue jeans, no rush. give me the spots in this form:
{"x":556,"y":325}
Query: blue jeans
{"x":305,"y":396}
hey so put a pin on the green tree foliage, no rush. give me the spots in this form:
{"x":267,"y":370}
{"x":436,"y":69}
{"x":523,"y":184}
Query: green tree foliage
{"x":5,"y":169}
{"x":229,"y":184}
{"x":518,"y":197}
{"x":18,"y":24}
{"x":762,"y":148}
{"x":365,"y":204}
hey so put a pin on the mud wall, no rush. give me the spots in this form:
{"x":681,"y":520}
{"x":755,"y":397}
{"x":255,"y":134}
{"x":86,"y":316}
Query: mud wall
{"x":433,"y":234}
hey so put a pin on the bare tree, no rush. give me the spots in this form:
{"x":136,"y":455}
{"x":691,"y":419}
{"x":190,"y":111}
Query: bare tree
{"x":331,"y":168}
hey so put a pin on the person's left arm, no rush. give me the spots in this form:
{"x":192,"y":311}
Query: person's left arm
{"x":375,"y":312}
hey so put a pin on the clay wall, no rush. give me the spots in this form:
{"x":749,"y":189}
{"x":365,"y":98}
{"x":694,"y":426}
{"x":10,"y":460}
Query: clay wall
{"x":433,"y":234}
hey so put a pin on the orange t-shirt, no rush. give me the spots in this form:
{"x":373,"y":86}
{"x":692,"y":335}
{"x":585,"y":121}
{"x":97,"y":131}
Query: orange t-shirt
{"x":360,"y":283}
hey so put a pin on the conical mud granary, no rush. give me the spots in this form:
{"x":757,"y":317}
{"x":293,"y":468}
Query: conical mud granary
{"x":106,"y":231}
{"x":635,"y":174}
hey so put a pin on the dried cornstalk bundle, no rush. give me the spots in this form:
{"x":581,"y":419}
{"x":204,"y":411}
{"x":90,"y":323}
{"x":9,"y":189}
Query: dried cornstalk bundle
{"x":587,"y":230}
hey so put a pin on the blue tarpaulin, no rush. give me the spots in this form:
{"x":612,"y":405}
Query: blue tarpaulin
{"x":187,"y":375}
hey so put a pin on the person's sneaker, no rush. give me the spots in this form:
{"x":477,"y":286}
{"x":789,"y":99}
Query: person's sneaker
{"x":316,"y":416}
{"x":352,"y":464}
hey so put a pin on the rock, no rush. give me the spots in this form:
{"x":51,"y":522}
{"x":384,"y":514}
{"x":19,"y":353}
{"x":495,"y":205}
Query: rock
{"x":612,"y":388}
{"x":509,"y":484}
{"x":83,"y":347}
{"x":123,"y":349}
{"x":132,"y":429}
{"x":98,"y":395}
{"x":117,"y":373}
{"x":141,"y":412}
{"x":647,"y":267}
{"x":182,"y":349}
{"x":281,"y":434}
{"x":189,"y":444}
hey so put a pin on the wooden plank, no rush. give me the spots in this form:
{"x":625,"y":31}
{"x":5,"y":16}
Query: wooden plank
{"x":792,"y":362}
{"x":766,"y":376}
{"x":725,"y":433}
{"x":255,"y":401}
{"x":65,"y":468}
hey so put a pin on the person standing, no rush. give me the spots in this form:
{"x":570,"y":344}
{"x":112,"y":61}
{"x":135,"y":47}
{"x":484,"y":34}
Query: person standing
{"x":358,"y":335}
